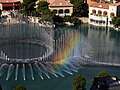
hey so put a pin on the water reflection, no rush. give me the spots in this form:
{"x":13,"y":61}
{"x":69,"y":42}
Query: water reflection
{"x":103,"y":44}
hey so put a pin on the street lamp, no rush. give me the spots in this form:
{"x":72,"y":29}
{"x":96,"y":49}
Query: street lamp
{"x":13,"y":6}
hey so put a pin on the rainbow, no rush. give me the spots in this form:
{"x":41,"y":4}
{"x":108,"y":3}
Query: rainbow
{"x":66,"y":49}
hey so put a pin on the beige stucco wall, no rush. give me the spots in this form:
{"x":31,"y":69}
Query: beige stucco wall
{"x":102,"y":17}
{"x":63,"y":8}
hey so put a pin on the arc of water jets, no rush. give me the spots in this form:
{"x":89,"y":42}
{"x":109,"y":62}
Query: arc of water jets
{"x":31,"y":70}
{"x":3,"y":68}
{"x":10,"y":71}
{"x":72,"y":67}
{"x":50,"y":69}
{"x":38,"y":70}
{"x":57,"y":70}
{"x":45,"y":65}
{"x":16,"y":72}
{"x":67,"y":70}
{"x":23,"y":71}
{"x":44,"y":71}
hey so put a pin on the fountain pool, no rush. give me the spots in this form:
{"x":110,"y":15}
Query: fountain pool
{"x":67,"y":49}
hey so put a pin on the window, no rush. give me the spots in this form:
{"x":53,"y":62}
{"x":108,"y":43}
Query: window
{"x":60,"y":11}
{"x":99,"y":12}
{"x":110,"y":22}
{"x":55,"y":11}
{"x":67,"y":11}
{"x":112,"y":14}
{"x":93,"y":11}
{"x":105,"y":12}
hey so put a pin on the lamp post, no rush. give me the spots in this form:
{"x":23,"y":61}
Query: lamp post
{"x":107,"y":21}
{"x":13,"y":6}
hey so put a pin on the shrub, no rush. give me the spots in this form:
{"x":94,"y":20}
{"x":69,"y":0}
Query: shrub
{"x":20,"y":87}
{"x":103,"y":74}
{"x":71,"y":19}
{"x":79,"y":83}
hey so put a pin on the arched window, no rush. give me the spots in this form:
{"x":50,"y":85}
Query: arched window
{"x":99,"y":12}
{"x":67,"y":11}
{"x":105,"y":12}
{"x":112,"y":14}
{"x":93,"y":11}
{"x":55,"y":11}
{"x":60,"y":11}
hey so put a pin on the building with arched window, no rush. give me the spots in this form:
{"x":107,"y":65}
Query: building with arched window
{"x":61,"y":7}
{"x":102,"y":13}
{"x":0,"y":6}
{"x":9,"y":4}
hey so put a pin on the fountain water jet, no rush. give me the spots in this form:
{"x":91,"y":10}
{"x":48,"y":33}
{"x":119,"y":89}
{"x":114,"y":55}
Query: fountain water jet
{"x":23,"y":71}
{"x":31,"y":70}
{"x":16,"y":72}
{"x":3,"y":69}
{"x":47,"y":51}
{"x":38,"y":70}
{"x":10,"y":70}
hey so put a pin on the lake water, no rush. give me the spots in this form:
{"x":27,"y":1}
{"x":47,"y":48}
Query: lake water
{"x":102,"y":41}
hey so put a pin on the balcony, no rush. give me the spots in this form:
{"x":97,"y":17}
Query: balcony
{"x":98,"y":17}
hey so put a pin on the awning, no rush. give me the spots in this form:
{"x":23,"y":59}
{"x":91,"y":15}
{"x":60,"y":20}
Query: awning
{"x":100,"y":21}
{"x":103,"y":21}
{"x":91,"y":19}
{"x":17,"y":5}
{"x":96,"y":20}
{"x":9,"y":5}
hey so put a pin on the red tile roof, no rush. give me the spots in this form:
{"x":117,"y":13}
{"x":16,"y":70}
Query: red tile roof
{"x":8,"y":1}
{"x":90,"y":2}
{"x":100,"y":5}
{"x":61,"y":3}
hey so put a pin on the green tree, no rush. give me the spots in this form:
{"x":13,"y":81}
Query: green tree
{"x":103,"y":74}
{"x":80,"y":8}
{"x":45,"y":12}
{"x":116,"y":21}
{"x":28,"y":5}
{"x":72,"y":19}
{"x":19,"y":87}
{"x":79,"y":83}
{"x":42,"y":6}
{"x":57,"y":19}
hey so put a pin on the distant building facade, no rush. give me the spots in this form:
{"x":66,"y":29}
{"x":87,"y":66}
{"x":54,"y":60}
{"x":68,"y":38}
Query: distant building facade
{"x":0,"y":6}
{"x":61,"y":7}
{"x":102,"y":13}
{"x":9,"y":4}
